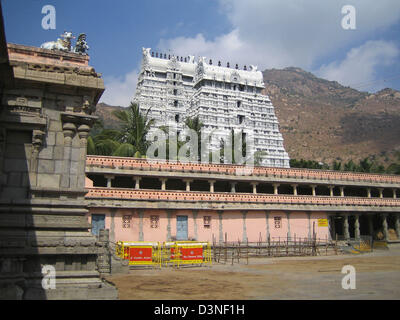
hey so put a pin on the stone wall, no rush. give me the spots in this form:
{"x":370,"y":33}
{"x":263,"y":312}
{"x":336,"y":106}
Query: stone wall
{"x":45,"y":118}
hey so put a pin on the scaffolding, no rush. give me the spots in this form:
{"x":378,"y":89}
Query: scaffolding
{"x":236,"y":251}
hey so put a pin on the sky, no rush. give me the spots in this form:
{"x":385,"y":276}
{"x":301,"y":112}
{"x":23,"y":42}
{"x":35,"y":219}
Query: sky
{"x":359,"y":48}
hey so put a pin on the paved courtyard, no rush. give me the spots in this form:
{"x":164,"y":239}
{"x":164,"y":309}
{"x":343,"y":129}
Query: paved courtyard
{"x":377,"y":277}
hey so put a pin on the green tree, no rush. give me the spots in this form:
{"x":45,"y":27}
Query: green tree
{"x":350,"y":166}
{"x":336,"y":165}
{"x":132,"y":135}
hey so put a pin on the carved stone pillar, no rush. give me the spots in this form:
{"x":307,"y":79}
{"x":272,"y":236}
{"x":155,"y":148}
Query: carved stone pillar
{"x":385,"y":226}
{"x":356,"y":226}
{"x":137,"y":182}
{"x":369,"y":192}
{"x":394,"y":194}
{"x":346,"y":232}
{"x":233,"y":187}
{"x":188,"y":181}
{"x":163,"y":183}
{"x":254,"y":184}
{"x":37,"y":141}
{"x":276,"y":190}
{"x":331,"y":190}
{"x":109,"y":178}
{"x":313,"y":188}
{"x":342,"y":191}
{"x":211,"y":182}
{"x":294,"y":189}
{"x":397,"y":224}
{"x":380,"y":192}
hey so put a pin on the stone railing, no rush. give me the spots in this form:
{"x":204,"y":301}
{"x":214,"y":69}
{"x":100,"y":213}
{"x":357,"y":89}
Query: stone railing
{"x":153,"y":195}
{"x":229,"y":169}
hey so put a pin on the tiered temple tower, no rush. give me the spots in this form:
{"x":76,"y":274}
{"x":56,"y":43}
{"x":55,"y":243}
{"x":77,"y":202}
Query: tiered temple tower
{"x":224,"y":98}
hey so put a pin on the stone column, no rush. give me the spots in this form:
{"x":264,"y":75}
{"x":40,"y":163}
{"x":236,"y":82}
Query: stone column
{"x":294,"y":189}
{"x":369,"y":192}
{"x":187,"y":181}
{"x":346,"y":232}
{"x":394,"y":194}
{"x":211,"y":182}
{"x":244,"y":215}
{"x":276,"y":190}
{"x":332,"y":227}
{"x":356,"y":226}
{"x":397,"y":225}
{"x":69,"y":130}
{"x":233,"y":187}
{"x":137,"y":182}
{"x":169,"y":215}
{"x":288,"y":225}
{"x":83,"y":134}
{"x":313,"y":187}
{"x":195,"y":213}
{"x":331,"y":190}
{"x":385,"y":226}
{"x":112,"y":224}
{"x":342,"y":191}
{"x":141,"y":214}
{"x":380,"y":192}
{"x":254,"y":184}
{"x":109,"y":178}
{"x":221,"y":235}
{"x":267,"y":224}
{"x":309,"y":224}
{"x":163,"y":183}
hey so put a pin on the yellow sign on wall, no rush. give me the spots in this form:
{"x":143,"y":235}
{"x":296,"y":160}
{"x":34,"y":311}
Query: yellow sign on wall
{"x":322,"y":222}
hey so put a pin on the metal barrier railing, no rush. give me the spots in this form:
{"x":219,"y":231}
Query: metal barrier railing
{"x":175,"y":253}
{"x":139,"y":253}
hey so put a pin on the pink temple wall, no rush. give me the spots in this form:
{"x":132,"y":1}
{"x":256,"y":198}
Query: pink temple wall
{"x":232,"y":224}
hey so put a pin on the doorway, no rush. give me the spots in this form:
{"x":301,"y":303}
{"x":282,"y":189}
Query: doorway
{"x":181,"y":228}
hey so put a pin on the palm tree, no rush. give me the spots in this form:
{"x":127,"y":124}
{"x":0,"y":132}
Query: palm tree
{"x":102,"y":141}
{"x":132,"y":136}
{"x":196,"y":125}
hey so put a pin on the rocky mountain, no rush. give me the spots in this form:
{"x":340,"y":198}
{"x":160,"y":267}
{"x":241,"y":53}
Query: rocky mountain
{"x":324,"y":121}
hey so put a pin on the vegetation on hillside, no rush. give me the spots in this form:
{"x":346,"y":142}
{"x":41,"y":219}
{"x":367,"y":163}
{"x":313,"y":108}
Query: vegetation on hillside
{"x":365,"y":165}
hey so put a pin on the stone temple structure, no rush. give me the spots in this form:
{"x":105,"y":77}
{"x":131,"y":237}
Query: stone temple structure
{"x":47,"y":98}
{"x":223,"y":98}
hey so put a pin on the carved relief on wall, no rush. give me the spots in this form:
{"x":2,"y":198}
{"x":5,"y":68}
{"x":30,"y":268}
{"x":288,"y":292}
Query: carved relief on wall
{"x":28,"y":106}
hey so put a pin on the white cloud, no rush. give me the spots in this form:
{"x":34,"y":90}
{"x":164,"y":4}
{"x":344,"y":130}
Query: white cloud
{"x":278,"y":33}
{"x":358,"y":69}
{"x":120,"y":91}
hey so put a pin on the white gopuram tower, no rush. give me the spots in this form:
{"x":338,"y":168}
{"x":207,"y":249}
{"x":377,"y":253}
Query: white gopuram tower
{"x":223,"y":98}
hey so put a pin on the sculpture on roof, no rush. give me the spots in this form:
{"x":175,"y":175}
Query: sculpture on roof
{"x":81,"y":45}
{"x":63,"y":43}
{"x":253,"y":68}
{"x":146,"y":52}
